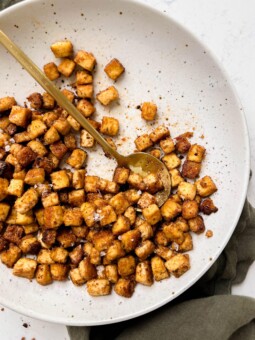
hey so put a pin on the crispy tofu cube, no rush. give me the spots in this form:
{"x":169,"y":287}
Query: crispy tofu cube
{"x":36,"y":128}
{"x":50,"y":199}
{"x":196,"y":224}
{"x":58,"y":149}
{"x":45,"y":163}
{"x":178,"y":264}
{"x":153,"y":183}
{"x":98,"y":287}
{"x":79,"y":179}
{"x":114,"y":69}
{"x":73,"y":217}
{"x":114,"y":252}
{"x":60,"y":179}
{"x":88,"y":211}
{"x":207,"y":206}
{"x":43,"y":275}
{"x":85,"y":107}
{"x":35,"y":176}
{"x":103,"y":239}
{"x":173,"y":233}
{"x":25,"y":267}
{"x":4,"y":184}
{"x":106,"y":215}
{"x":191,"y":169}
{"x":156,"y":153}
{"x":136,"y":181}
{"x":22,"y":137}
{"x":121,"y":226}
{"x":59,"y":271}
{"x":164,"y":252}
{"x":16,"y":187}
{"x":187,"y":191}
{"x":35,"y":100}
{"x":182,"y":145}
{"x":27,"y":201}
{"x":38,"y":148}
{"x":120,"y":203}
{"x":4,"y":211}
{"x":159,"y":133}
{"x":196,"y":153}
{"x":4,"y":122}
{"x":182,"y":224}
{"x":66,"y":67}
{"x":130,"y":240}
{"x":87,"y":269}
{"x":77,"y":254}
{"x":145,"y":249}
{"x":167,"y":145}
{"x":51,"y":71}
{"x":48,"y":101}
{"x":77,"y":158}
{"x":76,"y":197}
{"x":130,"y":213}
{"x":171,"y":161}
{"x":187,"y":243}
{"x":85,"y":91}
{"x":124,"y":287}
{"x":143,"y":142}
{"x":25,"y":156}
{"x":143,"y":273}
{"x":108,"y":95}
{"x":86,"y":60}
{"x":121,"y":175}
{"x":152,"y":214}
{"x":86,"y":140}
{"x":21,"y":219}
{"x":13,"y":233}
{"x":205,"y":186}
{"x":111,"y":272}
{"x":146,"y":230}
{"x":53,"y":161}
{"x":62,"y":125}
{"x":76,"y":277}
{"x":109,"y":126}
{"x":176,"y":177}
{"x":148,"y":111}
{"x":62,"y":49}
{"x":133,"y":195}
{"x":159,"y":270}
{"x":70,"y":141}
{"x":10,"y":257}
{"x":6,"y":103}
{"x":66,"y":238}
{"x":73,"y":123}
{"x":51,"y":136}
{"x":20,"y":116}
{"x":29,"y":245}
{"x":31,"y":228}
{"x":126,"y":266}
{"x":170,"y":210}
{"x":83,"y":77}
{"x":53,"y":217}
{"x":91,"y":183}
{"x":59,"y":255}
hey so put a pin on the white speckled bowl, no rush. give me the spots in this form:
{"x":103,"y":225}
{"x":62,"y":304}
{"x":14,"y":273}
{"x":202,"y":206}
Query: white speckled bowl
{"x":164,"y":63}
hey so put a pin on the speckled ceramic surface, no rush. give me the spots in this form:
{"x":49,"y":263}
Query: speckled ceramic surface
{"x":164,"y":63}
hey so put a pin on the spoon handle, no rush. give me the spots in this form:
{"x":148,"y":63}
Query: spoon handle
{"x":49,"y":87}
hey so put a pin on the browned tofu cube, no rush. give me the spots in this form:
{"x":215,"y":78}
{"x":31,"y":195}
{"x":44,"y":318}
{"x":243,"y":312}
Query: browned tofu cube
{"x":66,"y":238}
{"x":189,"y":209}
{"x":45,"y":163}
{"x":136,"y":181}
{"x":59,"y":271}
{"x":53,"y":160}
{"x":170,"y":210}
{"x":62,"y":49}
{"x":60,"y":180}
{"x":66,"y":67}
{"x":29,"y":245}
{"x":44,"y":257}
{"x":13,"y":233}
{"x":73,"y":123}
{"x":62,"y":125}
{"x":182,"y":224}
{"x":121,"y":226}
{"x":196,"y":224}
{"x":58,"y":149}
{"x":25,"y":156}
{"x":145,"y":249}
{"x":79,"y":179}
{"x":86,"y":140}
{"x":114,"y":252}
{"x":86,"y":60}
{"x":35,"y":100}
{"x":149,"y":111}
{"x":191,"y":169}
{"x":21,"y":219}
{"x":173,"y":233}
{"x":85,"y":91}
{"x":126,"y":266}
{"x":146,"y":230}
{"x":108,"y":95}
{"x":205,"y":186}
{"x":167,"y":145}
{"x":43,"y":275}
{"x":77,"y":254}
{"x":53,"y":217}
{"x":98,"y":287}
{"x":48,"y":101}
{"x":111,"y":272}
{"x":159,"y":133}
{"x":51,"y":136}
{"x":76,"y":277}
{"x":130,"y":240}
{"x":176,"y":177}
{"x":36,"y":128}
{"x":143,"y":142}
{"x":159,"y":270}
{"x":85,"y":107}
{"x":51,"y":71}
{"x":187,"y":243}
{"x":133,"y":195}
{"x":109,"y":126}
{"x":164,"y":252}
{"x":38,"y":148}
{"x":10,"y":257}
{"x":124,"y":287}
{"x":35,"y":176}
{"x":152,"y":214}
{"x":87,"y":269}
{"x":178,"y":264}
{"x":103,"y":239}
{"x":156,"y":153}
{"x":121,"y":175}
{"x":114,"y":69}
{"x":25,"y":267}
{"x":106,"y":215}
{"x":120,"y":203}
{"x":91,"y":183}
{"x":88,"y":211}
{"x":4,"y":183}
{"x":143,"y":273}
{"x":187,"y":191}
{"x":77,"y":158}
{"x":207,"y":206}
{"x":171,"y":161}
{"x":70,"y":141}
{"x":20,"y":116}
{"x":31,"y":228}
{"x":59,"y":255}
{"x":4,"y":211}
{"x":6,"y":103}
{"x":153,"y":183}
{"x":76,"y":197}
{"x":16,"y":187}
{"x":182,"y":145}
{"x":73,"y":217}
{"x":130,"y":213}
{"x":196,"y":153}
{"x":27,"y":201}
{"x":83,"y":77}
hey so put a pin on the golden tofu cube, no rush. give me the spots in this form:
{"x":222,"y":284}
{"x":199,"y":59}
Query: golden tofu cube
{"x":77,"y":254}
{"x":173,"y":233}
{"x":87,"y":269}
{"x":59,"y":271}
{"x":29,"y":245}
{"x":98,"y":287}
{"x":27,"y":201}
{"x":43,"y":275}
{"x":51,"y":71}
{"x":77,"y":158}
{"x":59,"y":255}
{"x":85,"y":91}
{"x":86,"y":60}
{"x":143,"y":142}
{"x":62,"y":49}
{"x":196,"y":153}
{"x":164,"y":252}
{"x":145,"y":249}
{"x":148,"y":111}
{"x":145,"y":200}
{"x":44,"y":257}
{"x":156,"y":153}
{"x":121,"y":226}
{"x":170,"y":210}
{"x":73,"y":123}
{"x":106,"y":215}
{"x":196,"y":224}
{"x":25,"y":156}
{"x":36,"y":128}
{"x":13,"y":233}
{"x":20,"y":116}
{"x":167,"y":145}
{"x":120,"y":203}
{"x":79,"y":179}
{"x":4,"y":184}
{"x":146,"y":230}
{"x":50,"y":200}
{"x":130,"y":240}
{"x":4,"y":211}
{"x":182,"y":145}
{"x":48,"y":101}
{"x":7,"y":103}
{"x":114,"y":252}
{"x":159,"y":133}
{"x":178,"y":264}
{"x":31,"y":228}
{"x":126,"y":266}
{"x":62,"y":125}
{"x":187,"y":243}
{"x":70,"y":141}
{"x":60,"y":180}
{"x":103,"y":239}
{"x":130,"y":213}
{"x":73,"y":217}
{"x":124,"y":287}
{"x":182,"y":224}
{"x":205,"y":186}
{"x":35,"y":176}
{"x":76,"y":277}
{"x":159,"y":270}
{"x":109,"y":126}
{"x":111,"y":272}
{"x":143,"y":273}
{"x":189,"y":209}
{"x":153,"y":183}
{"x":114,"y":69}
{"x":66,"y":67}
{"x":176,"y":177}
{"x":53,"y":217}
{"x":171,"y":161}
{"x":19,"y":175}
{"x":191,"y":169}
{"x":91,"y":183}
{"x":21,"y":219}
{"x":108,"y":95}
{"x":133,"y":195}
{"x":38,"y":148}
{"x":51,"y":136}
{"x":76,"y":197}
{"x":58,"y":149}
{"x":50,"y":117}
{"x":35,"y":100}
{"x":187,"y":191}
{"x":86,"y":140}
{"x":25,"y":267}
{"x":121,"y":175}
{"x":16,"y":187}
{"x":10,"y":256}
{"x":83,"y":77}
{"x":152,"y":214}
{"x":85,"y":107}
{"x":88,"y":211}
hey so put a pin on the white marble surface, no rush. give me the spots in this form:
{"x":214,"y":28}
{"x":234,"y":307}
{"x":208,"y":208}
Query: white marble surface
{"x":227,"y":28}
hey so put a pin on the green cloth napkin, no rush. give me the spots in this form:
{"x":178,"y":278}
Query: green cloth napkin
{"x":206,"y":310}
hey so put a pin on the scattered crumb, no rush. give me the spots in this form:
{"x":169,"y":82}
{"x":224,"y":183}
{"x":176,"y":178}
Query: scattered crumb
{"x":2,"y":309}
{"x":202,"y":137}
{"x":209,"y":233}
{"x":25,"y":325}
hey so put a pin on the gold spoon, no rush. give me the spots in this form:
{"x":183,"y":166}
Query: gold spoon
{"x":140,"y":162}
